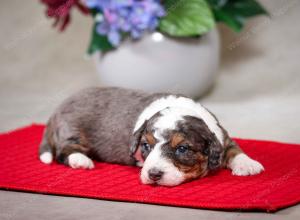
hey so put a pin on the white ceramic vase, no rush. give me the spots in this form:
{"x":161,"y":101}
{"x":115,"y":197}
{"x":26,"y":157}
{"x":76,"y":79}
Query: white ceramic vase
{"x":157,"y":63}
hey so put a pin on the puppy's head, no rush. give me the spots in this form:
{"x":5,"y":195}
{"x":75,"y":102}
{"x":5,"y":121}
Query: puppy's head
{"x":174,"y":147}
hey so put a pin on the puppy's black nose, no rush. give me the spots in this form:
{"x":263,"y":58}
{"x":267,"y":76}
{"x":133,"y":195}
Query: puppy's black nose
{"x":155,"y":174}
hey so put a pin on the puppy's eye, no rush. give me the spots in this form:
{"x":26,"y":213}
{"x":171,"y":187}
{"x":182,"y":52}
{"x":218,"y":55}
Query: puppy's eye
{"x":146,"y":146}
{"x":181,"y":149}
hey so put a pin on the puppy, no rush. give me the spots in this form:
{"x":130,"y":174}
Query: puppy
{"x":173,"y":138}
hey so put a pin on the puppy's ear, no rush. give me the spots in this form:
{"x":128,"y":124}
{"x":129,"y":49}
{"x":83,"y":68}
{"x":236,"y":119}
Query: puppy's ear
{"x":136,"y":138}
{"x":215,"y":153}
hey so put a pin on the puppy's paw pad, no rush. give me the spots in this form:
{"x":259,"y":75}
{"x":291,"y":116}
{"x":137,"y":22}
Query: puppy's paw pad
{"x":79,"y":160}
{"x":242,"y":165}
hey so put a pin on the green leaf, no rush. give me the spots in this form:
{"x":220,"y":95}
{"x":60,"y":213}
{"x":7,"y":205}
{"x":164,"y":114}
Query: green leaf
{"x":235,"y":22}
{"x":234,"y":13}
{"x":186,"y":18}
{"x":94,"y":12}
{"x":98,"y":42}
{"x":246,"y":8}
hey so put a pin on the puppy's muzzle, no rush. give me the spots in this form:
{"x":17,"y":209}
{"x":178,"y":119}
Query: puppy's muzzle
{"x":155,"y":174}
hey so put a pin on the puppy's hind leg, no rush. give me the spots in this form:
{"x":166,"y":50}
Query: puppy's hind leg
{"x":73,"y":152}
{"x":47,"y":149}
{"x":240,"y":163}
{"x":79,"y":160}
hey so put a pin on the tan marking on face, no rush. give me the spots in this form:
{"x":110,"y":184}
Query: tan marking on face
{"x":198,"y":170}
{"x":176,"y":139}
{"x":150,"y":139}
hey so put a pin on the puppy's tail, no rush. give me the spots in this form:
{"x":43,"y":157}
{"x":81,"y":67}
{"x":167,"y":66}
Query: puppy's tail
{"x":46,"y":150}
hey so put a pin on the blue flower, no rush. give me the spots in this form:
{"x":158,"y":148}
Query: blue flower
{"x":126,"y":16}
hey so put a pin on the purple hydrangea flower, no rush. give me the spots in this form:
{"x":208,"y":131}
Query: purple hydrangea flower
{"x":126,"y":16}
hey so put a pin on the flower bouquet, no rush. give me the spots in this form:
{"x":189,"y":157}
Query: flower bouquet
{"x":115,"y":20}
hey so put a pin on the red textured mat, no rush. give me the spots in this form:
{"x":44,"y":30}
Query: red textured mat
{"x":277,"y":187}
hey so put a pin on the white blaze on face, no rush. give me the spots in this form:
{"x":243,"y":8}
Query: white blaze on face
{"x":172,"y":176}
{"x":187,"y":106}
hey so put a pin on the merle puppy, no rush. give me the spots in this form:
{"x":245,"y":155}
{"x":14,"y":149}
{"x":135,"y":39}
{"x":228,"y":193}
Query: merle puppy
{"x":173,"y":138}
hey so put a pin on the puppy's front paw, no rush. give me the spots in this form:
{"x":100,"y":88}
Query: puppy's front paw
{"x":242,"y":165}
{"x":79,"y":160}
